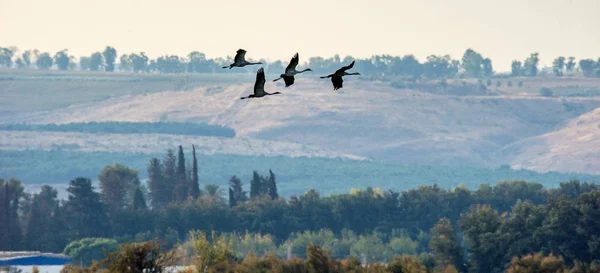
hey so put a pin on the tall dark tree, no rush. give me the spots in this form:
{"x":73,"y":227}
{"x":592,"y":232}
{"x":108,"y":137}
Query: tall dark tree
{"x":181,"y":186}
{"x":236,"y":193}
{"x":110,"y":55}
{"x":35,"y":226}
{"x":271,"y":186}
{"x":42,"y":232}
{"x":256,"y":186}
{"x":10,"y":196}
{"x":86,"y":213}
{"x":232,"y":201}
{"x":194,"y":183}
{"x":157,"y":184}
{"x":139,"y":202}
{"x":170,"y":174}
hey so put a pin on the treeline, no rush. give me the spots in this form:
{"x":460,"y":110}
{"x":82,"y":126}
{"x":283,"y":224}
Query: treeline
{"x":472,"y":64}
{"x":116,"y":127}
{"x":483,"y":228}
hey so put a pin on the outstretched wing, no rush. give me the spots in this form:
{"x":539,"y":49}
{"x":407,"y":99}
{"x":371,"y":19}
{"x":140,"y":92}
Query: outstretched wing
{"x":337,"y":82}
{"x":292,"y":66}
{"x":345,"y":68}
{"x":239,"y":56}
{"x":259,"y":85}
{"x":289,"y":80}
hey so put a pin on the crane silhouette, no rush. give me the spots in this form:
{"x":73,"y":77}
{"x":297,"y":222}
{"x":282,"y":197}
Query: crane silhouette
{"x":336,"y":77}
{"x":240,"y":60}
{"x":259,"y":86}
{"x":290,"y":71}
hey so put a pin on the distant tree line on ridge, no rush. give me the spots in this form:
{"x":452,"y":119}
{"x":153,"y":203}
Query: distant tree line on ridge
{"x":117,"y":127}
{"x":471,"y":65}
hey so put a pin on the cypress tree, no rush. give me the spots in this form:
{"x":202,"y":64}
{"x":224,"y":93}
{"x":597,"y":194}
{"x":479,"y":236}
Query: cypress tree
{"x":170,"y":176}
{"x":255,"y":186}
{"x":13,"y":194}
{"x":156,"y":185}
{"x":194,"y":185}
{"x":232,"y":201}
{"x":34,"y":226}
{"x":4,"y":216}
{"x":236,"y":192}
{"x":139,"y":202}
{"x":271,"y":186}
{"x":181,"y":186}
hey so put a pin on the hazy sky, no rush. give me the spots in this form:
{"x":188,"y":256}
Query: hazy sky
{"x":275,"y":29}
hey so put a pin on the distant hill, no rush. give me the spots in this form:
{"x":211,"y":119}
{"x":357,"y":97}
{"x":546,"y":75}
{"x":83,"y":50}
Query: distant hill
{"x":459,"y":122}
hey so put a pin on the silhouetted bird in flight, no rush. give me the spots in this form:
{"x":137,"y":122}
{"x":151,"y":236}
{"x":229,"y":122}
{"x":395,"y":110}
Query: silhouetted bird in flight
{"x":336,"y":77}
{"x":239,"y":60}
{"x":259,"y":86}
{"x":290,"y":71}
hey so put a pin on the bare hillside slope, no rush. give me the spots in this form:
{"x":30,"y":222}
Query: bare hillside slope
{"x":364,"y":118}
{"x":574,"y":148}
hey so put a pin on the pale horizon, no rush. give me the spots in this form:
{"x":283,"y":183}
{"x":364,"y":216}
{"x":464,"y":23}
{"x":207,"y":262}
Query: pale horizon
{"x":273,"y":30}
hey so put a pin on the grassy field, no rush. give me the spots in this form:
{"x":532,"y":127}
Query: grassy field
{"x":294,"y":175}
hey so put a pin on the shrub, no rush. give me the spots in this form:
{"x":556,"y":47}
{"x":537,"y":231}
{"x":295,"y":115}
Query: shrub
{"x":89,"y":249}
{"x":140,"y":257}
{"x":546,"y":92}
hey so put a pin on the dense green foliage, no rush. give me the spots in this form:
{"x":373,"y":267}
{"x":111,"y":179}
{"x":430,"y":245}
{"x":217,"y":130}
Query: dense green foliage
{"x":116,"y":127}
{"x":295,"y":175}
{"x":496,"y":223}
